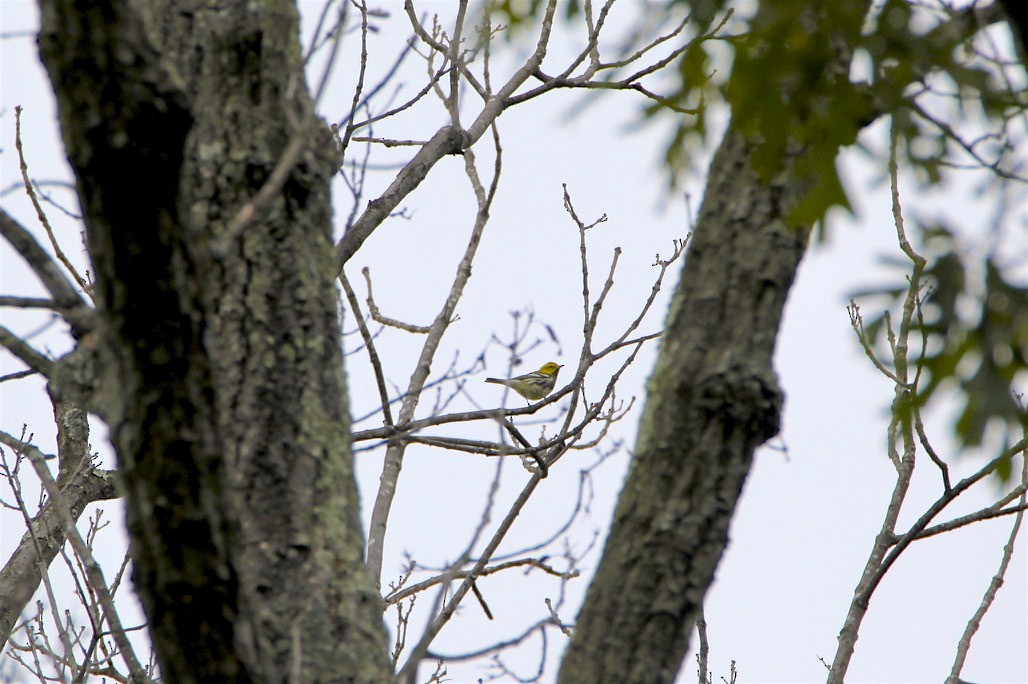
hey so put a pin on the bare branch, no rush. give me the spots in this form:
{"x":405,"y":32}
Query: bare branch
{"x":29,"y":356}
{"x":63,"y":293}
{"x":344,"y":142}
{"x":900,"y":425}
{"x":369,"y":343}
{"x":990,"y":513}
{"x":94,"y":572}
{"x":407,"y":672}
{"x":447,"y":140}
{"x":905,"y":429}
{"x":377,"y":316}
{"x":43,"y":220}
{"x":28,"y":303}
{"x":395,"y":450}
{"x":80,"y":485}
{"x":997,"y":581}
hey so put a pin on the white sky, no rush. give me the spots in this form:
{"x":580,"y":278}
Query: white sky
{"x":806,"y":521}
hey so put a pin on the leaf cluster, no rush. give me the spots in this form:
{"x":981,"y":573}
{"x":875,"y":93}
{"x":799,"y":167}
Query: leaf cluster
{"x":795,"y":94}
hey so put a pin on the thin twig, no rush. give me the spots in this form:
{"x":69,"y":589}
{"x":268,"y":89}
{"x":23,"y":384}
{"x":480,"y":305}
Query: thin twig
{"x":899,"y":427}
{"x":369,"y":344}
{"x":43,"y":220}
{"x":94,"y":573}
{"x":975,"y":622}
{"x":42,"y":265}
{"x":377,"y":316}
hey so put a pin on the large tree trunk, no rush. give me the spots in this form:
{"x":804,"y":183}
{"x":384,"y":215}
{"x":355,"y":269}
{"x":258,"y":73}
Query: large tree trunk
{"x":221,"y":374}
{"x":713,"y":397}
{"x":712,"y":400}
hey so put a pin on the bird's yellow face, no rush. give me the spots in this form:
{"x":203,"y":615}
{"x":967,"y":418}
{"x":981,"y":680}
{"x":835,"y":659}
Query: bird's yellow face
{"x":550,"y":368}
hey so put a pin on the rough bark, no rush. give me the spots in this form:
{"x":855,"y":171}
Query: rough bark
{"x":219,"y":331}
{"x":712,"y":399}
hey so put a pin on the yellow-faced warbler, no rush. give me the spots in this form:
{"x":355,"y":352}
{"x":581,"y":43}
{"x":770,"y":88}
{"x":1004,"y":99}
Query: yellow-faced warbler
{"x":533,"y":386}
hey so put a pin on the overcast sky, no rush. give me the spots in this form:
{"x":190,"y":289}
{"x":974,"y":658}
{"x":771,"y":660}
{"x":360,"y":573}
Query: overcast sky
{"x":809,"y":512}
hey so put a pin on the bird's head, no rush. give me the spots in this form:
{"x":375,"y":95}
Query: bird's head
{"x":550,"y":368}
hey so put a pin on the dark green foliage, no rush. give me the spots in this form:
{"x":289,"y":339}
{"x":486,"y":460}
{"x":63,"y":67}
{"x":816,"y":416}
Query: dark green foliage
{"x":783,"y":95}
{"x":909,"y":63}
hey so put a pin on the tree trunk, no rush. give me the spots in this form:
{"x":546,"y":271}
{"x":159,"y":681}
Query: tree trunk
{"x":220,"y":369}
{"x":712,"y":399}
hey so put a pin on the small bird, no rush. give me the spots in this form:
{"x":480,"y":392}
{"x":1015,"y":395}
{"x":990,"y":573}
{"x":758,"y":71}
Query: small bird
{"x":533,"y":386}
